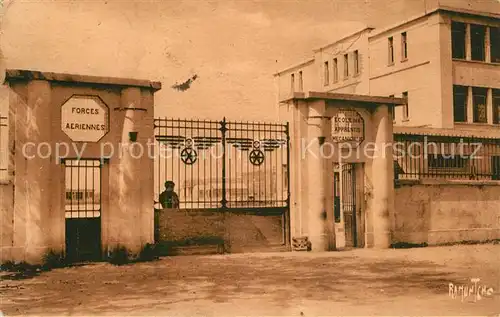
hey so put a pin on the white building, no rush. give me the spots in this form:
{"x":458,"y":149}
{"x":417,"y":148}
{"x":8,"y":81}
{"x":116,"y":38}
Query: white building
{"x":446,"y":61}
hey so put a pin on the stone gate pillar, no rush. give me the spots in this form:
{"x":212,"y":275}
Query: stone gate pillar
{"x":316,"y":167}
{"x":364,"y":121}
{"x":382,"y":202}
{"x":131,"y":175}
{"x":32,"y":174}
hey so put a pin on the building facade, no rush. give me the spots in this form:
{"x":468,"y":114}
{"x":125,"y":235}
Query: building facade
{"x":446,"y":62}
{"x":88,"y":199}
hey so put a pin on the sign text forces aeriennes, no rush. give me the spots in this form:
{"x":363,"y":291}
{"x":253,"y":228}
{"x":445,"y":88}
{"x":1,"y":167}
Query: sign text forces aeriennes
{"x":84,"y":118}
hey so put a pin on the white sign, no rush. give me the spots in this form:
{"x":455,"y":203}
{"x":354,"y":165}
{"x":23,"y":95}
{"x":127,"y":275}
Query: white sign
{"x":84,"y":118}
{"x":348,"y":126}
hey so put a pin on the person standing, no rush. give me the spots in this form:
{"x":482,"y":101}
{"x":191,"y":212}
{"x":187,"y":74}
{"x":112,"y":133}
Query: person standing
{"x":169,"y":198}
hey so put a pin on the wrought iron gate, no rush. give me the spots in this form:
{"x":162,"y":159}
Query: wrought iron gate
{"x":83,"y":209}
{"x":235,"y":168}
{"x":348,"y":203}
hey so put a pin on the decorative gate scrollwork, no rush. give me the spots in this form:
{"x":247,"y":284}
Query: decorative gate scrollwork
{"x":188,"y":153}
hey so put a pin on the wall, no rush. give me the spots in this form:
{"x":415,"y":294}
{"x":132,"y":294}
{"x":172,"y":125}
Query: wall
{"x":38,"y":213}
{"x":476,"y":74}
{"x":446,"y":212}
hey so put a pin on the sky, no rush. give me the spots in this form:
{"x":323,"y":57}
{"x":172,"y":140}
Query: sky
{"x":233,"y":46}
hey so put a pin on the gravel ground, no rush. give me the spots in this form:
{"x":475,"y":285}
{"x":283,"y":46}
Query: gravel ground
{"x":356,"y":282}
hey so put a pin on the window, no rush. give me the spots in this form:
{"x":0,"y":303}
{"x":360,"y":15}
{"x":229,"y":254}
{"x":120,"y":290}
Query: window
{"x":356,"y":62}
{"x":326,"y":77}
{"x":346,"y":66}
{"x":477,"y":33}
{"x":393,"y":110}
{"x":406,"y":111}
{"x":335,"y":70}
{"x":495,"y":44}
{"x":404,"y":46}
{"x":496,"y":105}
{"x":458,"y":31}
{"x":301,"y":82}
{"x":391,"y":50}
{"x":292,"y":83}
{"x":479,"y":96}
{"x":460,"y":103}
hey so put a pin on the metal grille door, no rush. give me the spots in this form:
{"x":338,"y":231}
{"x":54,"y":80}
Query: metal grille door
{"x":83,"y":209}
{"x":348,"y":203}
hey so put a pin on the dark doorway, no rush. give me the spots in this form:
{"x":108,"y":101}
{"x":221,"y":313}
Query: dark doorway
{"x":83,"y":209}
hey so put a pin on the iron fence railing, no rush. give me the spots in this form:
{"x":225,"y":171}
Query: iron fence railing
{"x":431,"y":156}
{"x":223,"y":164}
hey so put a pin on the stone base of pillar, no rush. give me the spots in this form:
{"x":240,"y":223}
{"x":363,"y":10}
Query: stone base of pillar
{"x":301,"y":244}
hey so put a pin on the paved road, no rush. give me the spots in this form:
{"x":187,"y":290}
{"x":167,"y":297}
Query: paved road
{"x":358,"y":282}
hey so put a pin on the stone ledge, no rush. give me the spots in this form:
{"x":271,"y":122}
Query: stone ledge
{"x":412,"y":182}
{"x":373,"y":101}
